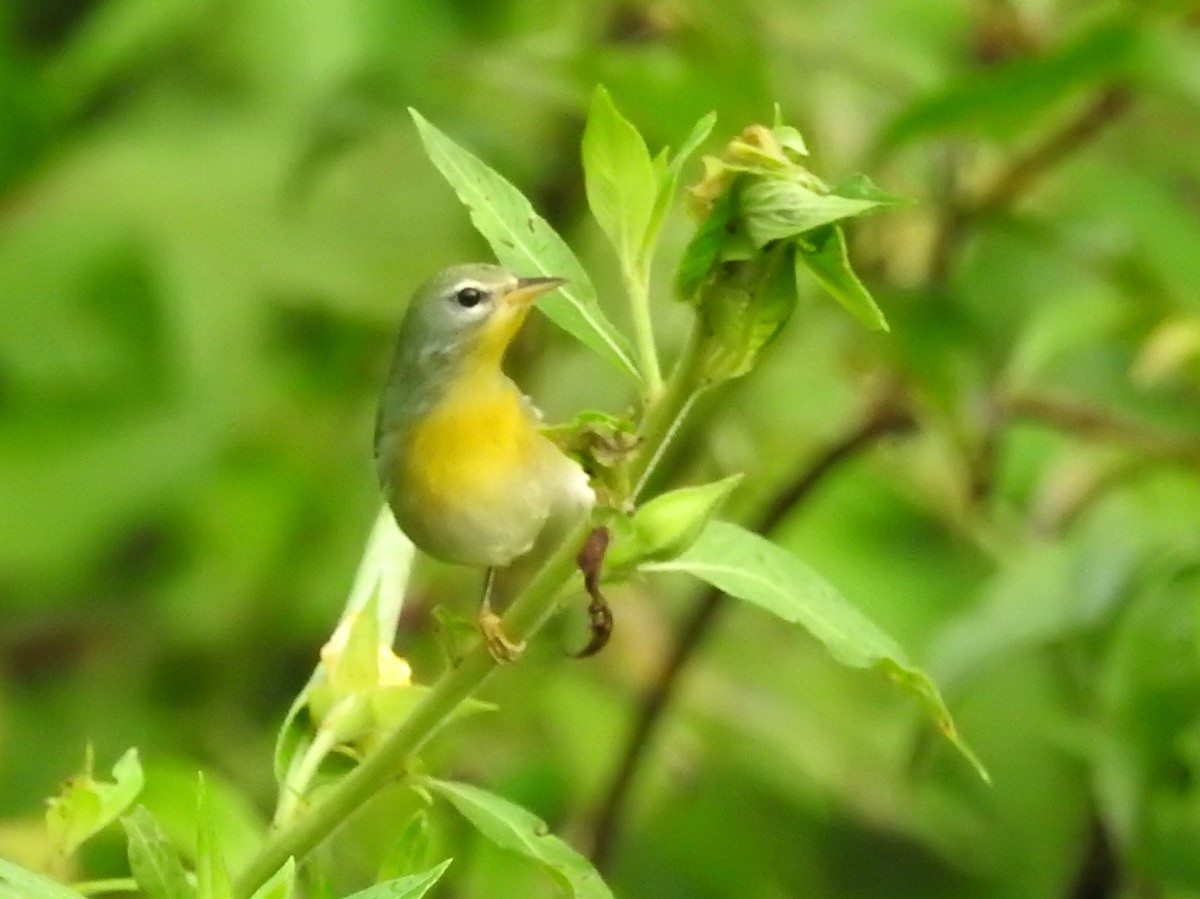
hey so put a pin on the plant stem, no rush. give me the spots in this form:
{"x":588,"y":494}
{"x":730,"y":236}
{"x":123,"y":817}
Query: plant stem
{"x":112,"y":885}
{"x":301,"y":773}
{"x":1073,"y":416}
{"x":664,"y":415}
{"x":528,"y":611}
{"x":960,"y":215}
{"x":637,"y":288}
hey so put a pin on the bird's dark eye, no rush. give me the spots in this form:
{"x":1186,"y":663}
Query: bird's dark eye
{"x":468,"y":297}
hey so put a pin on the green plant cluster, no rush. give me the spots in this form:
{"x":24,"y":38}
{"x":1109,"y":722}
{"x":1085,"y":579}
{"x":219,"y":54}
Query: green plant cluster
{"x":209,"y":217}
{"x":361,"y":704}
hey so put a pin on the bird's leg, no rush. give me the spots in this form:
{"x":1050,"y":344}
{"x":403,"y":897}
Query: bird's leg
{"x":498,"y":644}
{"x":590,"y":560}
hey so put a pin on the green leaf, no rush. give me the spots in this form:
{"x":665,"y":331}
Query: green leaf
{"x":827,"y":259}
{"x":511,"y":827}
{"x":281,"y":884}
{"x":743,"y":306}
{"x":86,"y":805}
{"x":524,"y":242}
{"x":153,"y":860}
{"x":212,"y":877}
{"x":1000,"y":101}
{"x":668,"y":179}
{"x":382,"y":575}
{"x":789,"y":137}
{"x":750,"y":567}
{"x":860,"y":187}
{"x":413,"y":886}
{"x":704,"y":251}
{"x":172,"y":796}
{"x":779,"y":208}
{"x":18,"y":883}
{"x":619,"y":177}
{"x":410,"y":850}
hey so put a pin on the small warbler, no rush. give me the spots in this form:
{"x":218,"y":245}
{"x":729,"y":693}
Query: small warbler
{"x":463,"y":465}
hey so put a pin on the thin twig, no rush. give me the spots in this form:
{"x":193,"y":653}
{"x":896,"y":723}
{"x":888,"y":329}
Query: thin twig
{"x":1019,"y":176}
{"x":888,"y":417}
{"x":1074,"y":416}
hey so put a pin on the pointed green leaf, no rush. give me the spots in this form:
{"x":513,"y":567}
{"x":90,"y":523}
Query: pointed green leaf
{"x":383,"y":572}
{"x":410,"y":850}
{"x":824,"y":255}
{"x":18,"y":883}
{"x":668,"y":178}
{"x":750,"y":567}
{"x":779,"y":208}
{"x":511,"y":827}
{"x":698,"y":135}
{"x":414,"y":886}
{"x":789,"y":137}
{"x":860,"y":187}
{"x":619,"y":177}
{"x":153,"y":860}
{"x":524,"y":242}
{"x":297,"y":731}
{"x":281,"y":884}
{"x":742,"y":308}
{"x":705,"y":249}
{"x":87,"y":805}
{"x":212,"y":877}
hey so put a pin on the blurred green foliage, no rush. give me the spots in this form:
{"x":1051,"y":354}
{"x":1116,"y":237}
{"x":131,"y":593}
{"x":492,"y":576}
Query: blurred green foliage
{"x":211,"y":214}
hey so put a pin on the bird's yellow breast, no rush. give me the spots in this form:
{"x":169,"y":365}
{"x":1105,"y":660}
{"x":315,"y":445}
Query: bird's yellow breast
{"x":472,"y":447}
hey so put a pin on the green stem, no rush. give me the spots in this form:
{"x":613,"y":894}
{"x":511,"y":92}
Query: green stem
{"x":301,"y":773}
{"x":526,"y":614}
{"x":112,"y":885}
{"x":664,"y":416}
{"x":637,"y":287}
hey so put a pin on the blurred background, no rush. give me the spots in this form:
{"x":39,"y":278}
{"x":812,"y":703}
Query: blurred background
{"x":211,"y":215}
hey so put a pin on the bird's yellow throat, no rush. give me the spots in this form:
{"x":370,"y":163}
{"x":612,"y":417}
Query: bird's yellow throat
{"x":470,"y":443}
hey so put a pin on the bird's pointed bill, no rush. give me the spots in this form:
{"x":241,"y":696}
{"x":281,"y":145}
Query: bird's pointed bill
{"x":529,"y":289}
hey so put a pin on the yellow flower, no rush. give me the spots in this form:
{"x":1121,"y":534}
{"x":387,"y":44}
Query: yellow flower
{"x":392,"y":670}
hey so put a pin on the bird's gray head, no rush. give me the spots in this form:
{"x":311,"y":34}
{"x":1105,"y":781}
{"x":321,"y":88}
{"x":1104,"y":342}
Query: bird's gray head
{"x":458,"y":321}
{"x":471,"y":311}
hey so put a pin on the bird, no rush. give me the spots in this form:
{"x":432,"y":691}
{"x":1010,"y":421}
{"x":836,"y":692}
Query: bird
{"x":461,"y":459}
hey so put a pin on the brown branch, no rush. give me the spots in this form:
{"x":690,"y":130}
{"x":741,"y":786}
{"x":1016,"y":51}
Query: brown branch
{"x":1096,"y":423}
{"x":1099,"y":874}
{"x":887,"y":417}
{"x":1019,"y":176}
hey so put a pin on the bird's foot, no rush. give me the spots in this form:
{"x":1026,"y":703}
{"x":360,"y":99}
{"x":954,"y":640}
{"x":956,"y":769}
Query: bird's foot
{"x":498,"y":644}
{"x":590,"y":561}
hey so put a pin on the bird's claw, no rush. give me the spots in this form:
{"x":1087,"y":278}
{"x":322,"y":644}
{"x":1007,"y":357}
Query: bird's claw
{"x":502,"y":649}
